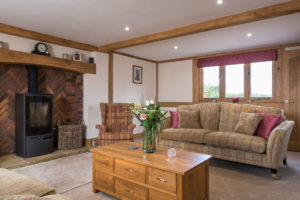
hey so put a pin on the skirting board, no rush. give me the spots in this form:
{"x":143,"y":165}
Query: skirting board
{"x":88,"y":141}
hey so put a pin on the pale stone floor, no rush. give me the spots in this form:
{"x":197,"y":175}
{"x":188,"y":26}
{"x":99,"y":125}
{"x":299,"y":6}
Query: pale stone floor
{"x":13,"y":161}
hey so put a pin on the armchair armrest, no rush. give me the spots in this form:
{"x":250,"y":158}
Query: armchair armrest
{"x":131,"y":127}
{"x":102,"y":128}
{"x":278,"y":143}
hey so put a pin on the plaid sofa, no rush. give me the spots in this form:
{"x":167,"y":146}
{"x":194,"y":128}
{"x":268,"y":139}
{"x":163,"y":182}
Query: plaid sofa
{"x":116,"y":124}
{"x":217,"y":136}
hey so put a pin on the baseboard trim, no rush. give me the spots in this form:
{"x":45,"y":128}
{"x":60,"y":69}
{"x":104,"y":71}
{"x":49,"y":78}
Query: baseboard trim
{"x":88,"y":142}
{"x":294,"y":146}
{"x":138,"y":135}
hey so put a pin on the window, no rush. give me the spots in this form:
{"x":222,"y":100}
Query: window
{"x":234,"y":81}
{"x":211,"y":82}
{"x":261,"y":79}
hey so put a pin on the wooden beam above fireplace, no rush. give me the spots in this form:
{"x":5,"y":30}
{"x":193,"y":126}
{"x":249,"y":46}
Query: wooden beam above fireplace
{"x":17,"y":57}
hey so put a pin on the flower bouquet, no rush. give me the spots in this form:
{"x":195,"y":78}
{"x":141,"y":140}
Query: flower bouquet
{"x":151,"y":117}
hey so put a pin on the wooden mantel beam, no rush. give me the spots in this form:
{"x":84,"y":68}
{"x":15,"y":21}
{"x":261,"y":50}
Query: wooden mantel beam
{"x":232,"y":20}
{"x":12,"y":30}
{"x":17,"y":57}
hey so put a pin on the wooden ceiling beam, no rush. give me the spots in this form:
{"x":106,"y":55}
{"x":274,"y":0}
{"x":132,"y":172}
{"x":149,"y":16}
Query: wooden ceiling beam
{"x":232,"y":20}
{"x":12,"y":30}
{"x":136,"y":57}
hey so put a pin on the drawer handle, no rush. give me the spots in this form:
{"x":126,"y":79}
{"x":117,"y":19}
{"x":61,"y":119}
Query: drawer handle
{"x":162,"y":179}
{"x":129,"y":170}
{"x":102,"y":162}
{"x":130,"y":191}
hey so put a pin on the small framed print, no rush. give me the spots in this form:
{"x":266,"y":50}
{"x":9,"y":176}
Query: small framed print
{"x":137,"y":75}
{"x":77,"y":56}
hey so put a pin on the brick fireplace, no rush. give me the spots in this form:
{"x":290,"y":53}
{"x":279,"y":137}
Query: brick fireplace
{"x":66,"y":87}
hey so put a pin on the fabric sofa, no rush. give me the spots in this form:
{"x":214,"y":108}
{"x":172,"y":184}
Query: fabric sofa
{"x":14,"y":186}
{"x":217,"y":137}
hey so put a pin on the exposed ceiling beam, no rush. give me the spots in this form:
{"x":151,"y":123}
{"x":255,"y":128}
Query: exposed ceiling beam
{"x":136,"y":57}
{"x":232,"y":20}
{"x":11,"y":30}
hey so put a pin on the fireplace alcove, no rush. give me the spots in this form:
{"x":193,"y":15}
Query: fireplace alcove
{"x":66,"y":86}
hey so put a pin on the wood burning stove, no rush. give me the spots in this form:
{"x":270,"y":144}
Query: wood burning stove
{"x":34,"y":120}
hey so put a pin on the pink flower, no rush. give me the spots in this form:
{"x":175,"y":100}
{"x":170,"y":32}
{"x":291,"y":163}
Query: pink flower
{"x":139,"y":105}
{"x":143,"y":116}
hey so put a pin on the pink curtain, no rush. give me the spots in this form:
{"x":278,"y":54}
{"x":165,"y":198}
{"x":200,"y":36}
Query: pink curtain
{"x":258,"y":56}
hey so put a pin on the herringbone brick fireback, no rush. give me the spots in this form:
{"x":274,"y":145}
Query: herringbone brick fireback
{"x":66,"y":87}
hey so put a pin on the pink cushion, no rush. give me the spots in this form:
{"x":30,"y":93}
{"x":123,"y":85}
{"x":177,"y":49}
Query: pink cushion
{"x":174,"y":118}
{"x":267,"y":124}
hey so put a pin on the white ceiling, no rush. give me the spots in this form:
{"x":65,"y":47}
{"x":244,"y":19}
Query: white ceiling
{"x":99,"y":22}
{"x":275,"y":31}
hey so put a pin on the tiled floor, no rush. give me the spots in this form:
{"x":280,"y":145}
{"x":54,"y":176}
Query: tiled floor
{"x":13,"y":161}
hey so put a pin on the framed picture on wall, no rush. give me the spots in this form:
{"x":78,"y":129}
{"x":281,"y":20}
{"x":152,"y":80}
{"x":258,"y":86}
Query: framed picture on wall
{"x":137,"y":74}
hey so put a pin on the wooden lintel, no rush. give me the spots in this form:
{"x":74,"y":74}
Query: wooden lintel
{"x":12,"y":30}
{"x":232,"y":20}
{"x":17,"y":57}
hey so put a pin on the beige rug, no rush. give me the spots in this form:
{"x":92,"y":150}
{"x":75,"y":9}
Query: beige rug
{"x":72,"y":177}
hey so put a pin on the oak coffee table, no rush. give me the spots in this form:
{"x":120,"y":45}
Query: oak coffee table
{"x":135,"y":175}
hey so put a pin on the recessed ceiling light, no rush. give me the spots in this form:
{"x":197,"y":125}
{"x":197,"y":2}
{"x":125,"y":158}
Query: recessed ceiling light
{"x":219,"y":2}
{"x":249,"y":34}
{"x":175,"y":47}
{"x":127,"y":28}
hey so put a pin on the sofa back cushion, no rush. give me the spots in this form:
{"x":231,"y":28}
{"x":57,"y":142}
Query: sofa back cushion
{"x":209,"y":114}
{"x":230,"y":114}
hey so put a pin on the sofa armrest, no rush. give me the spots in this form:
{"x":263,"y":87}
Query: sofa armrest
{"x":278,"y":143}
{"x":167,"y":123}
{"x":102,"y":128}
{"x":131,"y":127}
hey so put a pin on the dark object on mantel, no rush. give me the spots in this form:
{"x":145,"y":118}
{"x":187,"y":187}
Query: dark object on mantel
{"x":34,"y":124}
{"x":41,"y":49}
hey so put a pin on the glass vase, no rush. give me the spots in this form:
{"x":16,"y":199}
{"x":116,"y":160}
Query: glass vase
{"x":149,"y":144}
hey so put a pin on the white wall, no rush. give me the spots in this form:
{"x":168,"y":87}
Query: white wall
{"x":95,"y":90}
{"x":175,"y":81}
{"x":126,"y":91}
{"x":95,"y":85}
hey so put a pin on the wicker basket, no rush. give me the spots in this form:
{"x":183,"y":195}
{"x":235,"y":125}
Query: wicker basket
{"x":70,"y":136}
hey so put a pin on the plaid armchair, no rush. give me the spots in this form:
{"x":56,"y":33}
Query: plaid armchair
{"x":116,"y":124}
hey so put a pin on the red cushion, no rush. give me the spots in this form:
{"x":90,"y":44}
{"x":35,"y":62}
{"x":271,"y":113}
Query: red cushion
{"x":174,"y":118}
{"x":267,"y":124}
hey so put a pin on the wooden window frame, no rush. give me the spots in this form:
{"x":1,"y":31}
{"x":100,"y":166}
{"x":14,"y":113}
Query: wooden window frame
{"x":247,"y":86}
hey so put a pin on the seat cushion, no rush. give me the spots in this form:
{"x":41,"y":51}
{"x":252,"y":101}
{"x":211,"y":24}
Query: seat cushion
{"x":236,"y":141}
{"x":185,"y":134}
{"x":12,"y":183}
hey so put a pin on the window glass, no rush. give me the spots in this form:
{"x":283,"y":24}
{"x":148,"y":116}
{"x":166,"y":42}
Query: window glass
{"x":211,"y":82}
{"x":261,"y":79}
{"x":234,"y":76}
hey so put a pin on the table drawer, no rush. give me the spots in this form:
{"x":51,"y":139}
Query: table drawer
{"x":155,"y":195}
{"x":162,"y":179}
{"x":104,"y":181}
{"x":103,"y":163}
{"x":130,"y":190}
{"x":130,"y":170}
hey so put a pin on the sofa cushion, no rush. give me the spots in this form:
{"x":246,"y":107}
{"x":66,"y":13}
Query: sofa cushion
{"x":267,"y":124}
{"x":230,"y":114}
{"x":174,"y":118}
{"x":185,"y":134}
{"x":248,"y":123}
{"x":189,"y":119}
{"x":12,"y":183}
{"x":210,"y":115}
{"x":236,"y":141}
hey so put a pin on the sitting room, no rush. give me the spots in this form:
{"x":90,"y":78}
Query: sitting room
{"x":149,"y":100}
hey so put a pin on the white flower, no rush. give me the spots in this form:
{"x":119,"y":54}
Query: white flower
{"x":147,"y":103}
{"x":151,"y":102}
{"x":145,"y":108}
